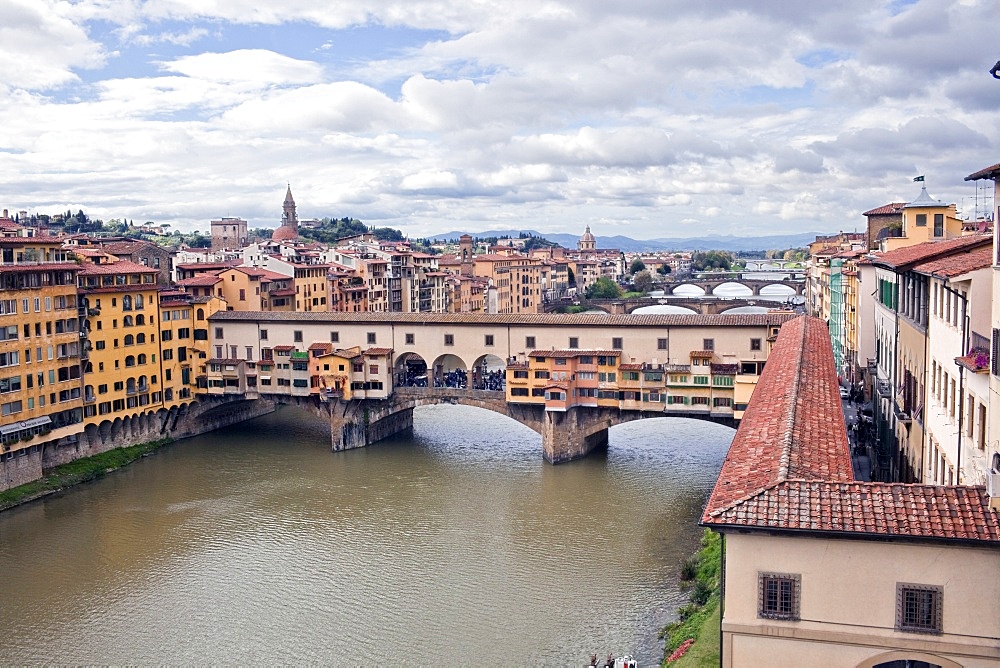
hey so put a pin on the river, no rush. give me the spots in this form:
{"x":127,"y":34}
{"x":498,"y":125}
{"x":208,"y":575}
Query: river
{"x":455,"y":544}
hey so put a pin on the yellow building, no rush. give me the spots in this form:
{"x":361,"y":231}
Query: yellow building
{"x":925,"y":219}
{"x":41,"y":397}
{"x":123,"y":372}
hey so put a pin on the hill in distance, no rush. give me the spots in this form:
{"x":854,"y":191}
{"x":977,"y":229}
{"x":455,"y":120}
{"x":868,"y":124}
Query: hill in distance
{"x":630,"y":245}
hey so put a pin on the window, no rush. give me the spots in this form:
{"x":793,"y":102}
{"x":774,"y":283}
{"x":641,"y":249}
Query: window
{"x":574,"y":342}
{"x":921,"y":220}
{"x":297,"y":336}
{"x":449,"y":339}
{"x":616,"y":343}
{"x":918,"y":608}
{"x":661,"y":344}
{"x":409,"y":339}
{"x":778,"y":596}
{"x":529,"y":342}
{"x":939,"y":224}
{"x":218,"y":332}
{"x":334,"y":337}
{"x":373,"y":369}
{"x":488,"y":340}
{"x":371,"y":338}
{"x":754,"y":344}
{"x":708,"y":344}
{"x":263,"y":335}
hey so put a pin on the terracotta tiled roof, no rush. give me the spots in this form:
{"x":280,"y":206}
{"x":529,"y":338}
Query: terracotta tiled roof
{"x":200,"y":280}
{"x":956,"y":265}
{"x":886,"y":209}
{"x":797,"y":432}
{"x":53,"y":266}
{"x":991,"y":172}
{"x":725,"y":369}
{"x":119,"y":267}
{"x":207,"y":266}
{"x":232,"y":362}
{"x":909,"y":255}
{"x":701,"y":354}
{"x":284,"y":349}
{"x":325,"y":347}
{"x":789,"y":466}
{"x":876,"y":509}
{"x":378,"y":352}
{"x":630,"y":367}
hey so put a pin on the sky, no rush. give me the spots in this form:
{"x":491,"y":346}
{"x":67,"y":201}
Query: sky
{"x":645,"y":118}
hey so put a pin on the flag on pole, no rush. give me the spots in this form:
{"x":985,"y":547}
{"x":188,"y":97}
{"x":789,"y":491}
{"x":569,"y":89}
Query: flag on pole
{"x":919,"y":178}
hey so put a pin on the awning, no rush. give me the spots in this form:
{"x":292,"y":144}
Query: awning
{"x":265,"y":378}
{"x":25,"y":424}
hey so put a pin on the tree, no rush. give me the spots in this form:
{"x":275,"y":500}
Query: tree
{"x":603,"y":288}
{"x":636,"y":266}
{"x":643,"y":281}
{"x":570,"y":276}
{"x":711,"y":260}
{"x":663,"y":269}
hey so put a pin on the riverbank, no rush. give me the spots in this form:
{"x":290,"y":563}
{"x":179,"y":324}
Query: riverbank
{"x":693,"y":640}
{"x":78,"y":471}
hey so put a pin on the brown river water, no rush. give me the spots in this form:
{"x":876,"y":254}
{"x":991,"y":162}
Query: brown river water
{"x":456,"y":544}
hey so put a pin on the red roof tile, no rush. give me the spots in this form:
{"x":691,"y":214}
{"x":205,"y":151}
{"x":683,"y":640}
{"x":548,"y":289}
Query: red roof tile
{"x":119,"y":267}
{"x":956,"y":265}
{"x":929,"y":250}
{"x":789,"y":466}
{"x":886,"y":209}
{"x":991,"y":172}
{"x":798,"y":431}
{"x":378,"y":352}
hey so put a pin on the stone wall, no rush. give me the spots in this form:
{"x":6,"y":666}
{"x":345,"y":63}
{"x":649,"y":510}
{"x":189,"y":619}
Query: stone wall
{"x":23,"y":467}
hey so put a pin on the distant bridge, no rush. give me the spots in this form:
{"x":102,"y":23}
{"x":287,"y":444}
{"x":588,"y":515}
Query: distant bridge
{"x":709,"y":285}
{"x":702,"y":305}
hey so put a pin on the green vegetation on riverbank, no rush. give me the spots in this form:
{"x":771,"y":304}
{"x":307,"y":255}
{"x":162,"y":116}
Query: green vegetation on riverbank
{"x":75,"y":472}
{"x":699,"y":619}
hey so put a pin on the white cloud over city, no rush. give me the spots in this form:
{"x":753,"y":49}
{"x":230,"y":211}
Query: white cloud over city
{"x":649,"y":119}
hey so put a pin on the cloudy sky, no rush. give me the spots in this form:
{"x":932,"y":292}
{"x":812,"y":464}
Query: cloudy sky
{"x":649,"y":118}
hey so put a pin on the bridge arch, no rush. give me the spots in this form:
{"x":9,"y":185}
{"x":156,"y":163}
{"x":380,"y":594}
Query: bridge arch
{"x":731,"y":284}
{"x":450,"y":370}
{"x":488,"y":373}
{"x":411,"y":370}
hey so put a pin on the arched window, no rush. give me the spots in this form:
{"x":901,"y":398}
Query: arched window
{"x":130,"y":385}
{"x":138,"y":301}
{"x":142,"y":383}
{"x":129,"y":340}
{"x":128,"y":321}
{"x":127,"y":303}
{"x":168,"y":394}
{"x":140,"y":320}
{"x":130,"y":360}
{"x":201,"y":314}
{"x":140,"y":338}
{"x":142,"y":358}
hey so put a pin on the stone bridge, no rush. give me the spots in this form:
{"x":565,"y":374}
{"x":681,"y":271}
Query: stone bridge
{"x":709,"y":285}
{"x":702,"y":305}
{"x":565,"y":435}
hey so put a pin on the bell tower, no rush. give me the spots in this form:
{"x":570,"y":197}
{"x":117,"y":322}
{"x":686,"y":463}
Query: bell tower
{"x":465,"y":254}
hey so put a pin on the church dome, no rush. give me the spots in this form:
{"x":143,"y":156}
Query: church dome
{"x":285,"y":233}
{"x":587,"y":236}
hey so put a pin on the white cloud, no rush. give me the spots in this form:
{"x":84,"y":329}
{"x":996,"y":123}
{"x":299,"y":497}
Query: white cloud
{"x":643,"y":116}
{"x":258,"y":66}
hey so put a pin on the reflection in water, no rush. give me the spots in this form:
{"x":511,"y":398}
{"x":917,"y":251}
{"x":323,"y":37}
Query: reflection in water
{"x":455,"y":544}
